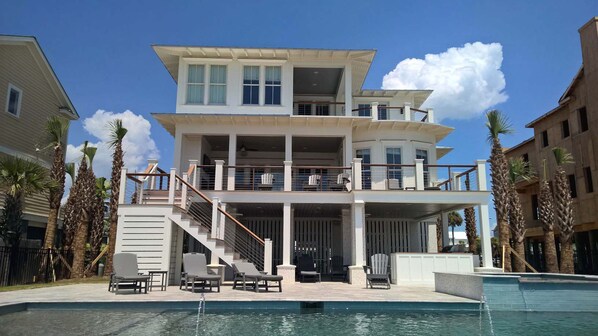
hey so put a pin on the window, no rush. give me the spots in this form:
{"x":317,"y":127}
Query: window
{"x":364,"y":110}
{"x":366,"y":173}
{"x":251,"y":85}
{"x":545,"y":139}
{"x":393,"y":156}
{"x":217,"y":85}
{"x":273,"y":85}
{"x":13,"y":100}
{"x":382,"y":112}
{"x":565,"y":128}
{"x":322,"y":109}
{"x":525,"y":157}
{"x":587,"y":174}
{"x":423,"y":154}
{"x":572,"y":185}
{"x":583,"y":119}
{"x":304,"y":109}
{"x":535,"y":211}
{"x":195,"y":84}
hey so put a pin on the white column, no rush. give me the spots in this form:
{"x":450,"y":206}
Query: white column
{"x":374,"y":106}
{"x":431,"y":118}
{"x":485,"y":235}
{"x":288,"y":175}
{"x":287,"y":245}
{"x":151,"y":163}
{"x":222,"y":221}
{"x":184,"y":191}
{"x":232,"y":161}
{"x":419,"y":174}
{"x":288,"y":147}
{"x":122,"y":189}
{"x":432,"y":244}
{"x":348,"y":90}
{"x":358,"y":233}
{"x":347,"y":236}
{"x":195,"y":175}
{"x":178,"y":148}
{"x":445,"y":230}
{"x":348,"y":148}
{"x":172,"y":186}
{"x":455,"y":182}
{"x":218,"y":174}
{"x":357,"y":183}
{"x":268,"y":255}
{"x":215,"y":218}
{"x":407,"y":111}
{"x":481,"y":171}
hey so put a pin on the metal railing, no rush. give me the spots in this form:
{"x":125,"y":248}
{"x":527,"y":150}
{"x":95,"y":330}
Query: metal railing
{"x":455,"y":177}
{"x":320,"y":178}
{"x":378,"y":176}
{"x":20,"y":266}
{"x":319,"y":108}
{"x":265,"y":178}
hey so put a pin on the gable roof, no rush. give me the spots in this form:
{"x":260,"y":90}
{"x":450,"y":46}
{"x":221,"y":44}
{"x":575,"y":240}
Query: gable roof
{"x":37,"y":52}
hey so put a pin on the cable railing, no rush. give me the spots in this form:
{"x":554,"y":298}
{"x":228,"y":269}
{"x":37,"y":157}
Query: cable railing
{"x":255,"y":178}
{"x":321,"y":178}
{"x":388,"y":176}
{"x":319,"y":108}
{"x":455,"y":177}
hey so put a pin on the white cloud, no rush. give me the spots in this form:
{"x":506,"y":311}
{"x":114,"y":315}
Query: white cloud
{"x":138,"y":145}
{"x":466,"y":81}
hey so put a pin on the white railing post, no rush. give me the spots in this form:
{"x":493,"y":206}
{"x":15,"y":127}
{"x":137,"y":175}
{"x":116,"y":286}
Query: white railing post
{"x":288,"y":175}
{"x":184,"y":191}
{"x":455,"y":182}
{"x":357,"y":182}
{"x":407,"y":111}
{"x":215,"y":218}
{"x":431,"y":118}
{"x":374,"y":106}
{"x":419,"y":174}
{"x":171,"y":185}
{"x":151,"y":168}
{"x":194,"y":173}
{"x":123,"y":186}
{"x":268,"y":255}
{"x":481,"y":171}
{"x":218,"y":174}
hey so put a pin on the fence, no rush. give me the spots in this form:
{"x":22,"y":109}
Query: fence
{"x":20,"y":266}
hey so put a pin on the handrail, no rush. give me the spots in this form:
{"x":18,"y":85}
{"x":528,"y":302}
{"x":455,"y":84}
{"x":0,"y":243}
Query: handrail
{"x":319,"y":102}
{"x":250,"y":166}
{"x":387,"y":165}
{"x":229,"y":216}
{"x":320,"y":167}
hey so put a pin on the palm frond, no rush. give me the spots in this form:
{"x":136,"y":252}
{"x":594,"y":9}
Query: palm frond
{"x":90,"y":152}
{"x":70,"y":169}
{"x":562,"y":156}
{"x":497,"y":124}
{"x":117,"y":132}
{"x":56,"y":130}
{"x":19,"y":175}
{"x":520,"y":169}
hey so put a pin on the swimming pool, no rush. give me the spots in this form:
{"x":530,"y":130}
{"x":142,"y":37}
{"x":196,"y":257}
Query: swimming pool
{"x":152,"y":321}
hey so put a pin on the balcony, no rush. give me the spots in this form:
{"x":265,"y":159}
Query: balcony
{"x":374,"y":111}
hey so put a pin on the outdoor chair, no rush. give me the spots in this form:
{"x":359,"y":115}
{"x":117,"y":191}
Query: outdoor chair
{"x":196,"y":271}
{"x":267,"y":180}
{"x":377,"y":274}
{"x":307,"y":268}
{"x":337,"y":268}
{"x":342,"y":183}
{"x":126,"y":274}
{"x":313,"y":183}
{"x":393,"y":184}
{"x":245,"y":273}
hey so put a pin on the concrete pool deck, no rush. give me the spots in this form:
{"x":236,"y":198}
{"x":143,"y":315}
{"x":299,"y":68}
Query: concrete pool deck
{"x":325,"y":291}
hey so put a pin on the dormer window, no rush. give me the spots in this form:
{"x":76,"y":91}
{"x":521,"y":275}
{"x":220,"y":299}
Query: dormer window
{"x":197,"y":91}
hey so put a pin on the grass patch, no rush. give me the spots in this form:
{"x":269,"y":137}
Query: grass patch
{"x":66,"y":282}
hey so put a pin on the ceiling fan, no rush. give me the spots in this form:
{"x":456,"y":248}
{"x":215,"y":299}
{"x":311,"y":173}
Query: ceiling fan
{"x":243,"y":150}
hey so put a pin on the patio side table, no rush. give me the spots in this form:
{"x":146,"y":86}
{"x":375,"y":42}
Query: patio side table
{"x":163,"y":279}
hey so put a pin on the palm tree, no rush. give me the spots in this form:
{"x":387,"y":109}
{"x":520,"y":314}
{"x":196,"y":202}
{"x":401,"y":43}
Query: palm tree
{"x":118,"y":133}
{"x":454,"y":219}
{"x":564,"y":209}
{"x":470,"y":229}
{"x":439,"y":233}
{"x":96,"y":232}
{"x":85,"y":194}
{"x":546,"y":216}
{"x":518,"y":169}
{"x":56,"y":129}
{"x":497,"y":125}
{"x":20,"y":177}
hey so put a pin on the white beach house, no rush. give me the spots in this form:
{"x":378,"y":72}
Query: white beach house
{"x":281,"y":152}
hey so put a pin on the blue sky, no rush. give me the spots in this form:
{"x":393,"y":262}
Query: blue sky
{"x":102,"y":55}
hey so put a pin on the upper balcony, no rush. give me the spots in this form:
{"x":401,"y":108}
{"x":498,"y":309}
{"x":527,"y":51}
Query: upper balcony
{"x":374,"y":110}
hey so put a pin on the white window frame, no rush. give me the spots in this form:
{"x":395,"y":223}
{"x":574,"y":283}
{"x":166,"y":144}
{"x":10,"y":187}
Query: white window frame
{"x":271,"y":85}
{"x":205,"y":69}
{"x":262,"y":64}
{"x":261,"y":81}
{"x":18,"y":111}
{"x":210,"y":84}
{"x":207,"y":63}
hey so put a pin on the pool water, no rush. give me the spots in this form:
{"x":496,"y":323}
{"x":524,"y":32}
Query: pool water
{"x":255,"y":322}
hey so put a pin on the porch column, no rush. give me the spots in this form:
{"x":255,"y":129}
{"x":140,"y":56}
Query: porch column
{"x":374,"y":106}
{"x":348,"y":150}
{"x":419,"y":174}
{"x":346,"y":227}
{"x":431,"y":119}
{"x":123,"y":186}
{"x":357,"y":183}
{"x":445,"y":230}
{"x":195,"y":174}
{"x":217,"y":232}
{"x":348,"y":90}
{"x":407,"y":111}
{"x":287,"y":269}
{"x":432,"y":245}
{"x":356,"y":274}
{"x":218,"y":174}
{"x":484,"y":218}
{"x":288,"y":175}
{"x":232,"y":161}
{"x":288,"y":147}
{"x":415,"y":237}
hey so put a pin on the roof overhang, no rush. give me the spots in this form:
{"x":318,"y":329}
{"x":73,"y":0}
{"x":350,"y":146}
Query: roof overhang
{"x":419,"y":96}
{"x":360,"y":59}
{"x":442,"y":151}
{"x":68,"y":110}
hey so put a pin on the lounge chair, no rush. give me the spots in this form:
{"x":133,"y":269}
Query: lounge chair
{"x":126,"y":274}
{"x":307,"y":268}
{"x":313,"y":183}
{"x":377,"y":274}
{"x":337,"y":268}
{"x":245,"y":272}
{"x":196,"y":270}
{"x":267,"y":180}
{"x":342,"y":183}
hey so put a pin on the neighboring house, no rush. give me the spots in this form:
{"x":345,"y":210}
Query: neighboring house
{"x":30,"y":93}
{"x":292,"y":148}
{"x":573,"y":125}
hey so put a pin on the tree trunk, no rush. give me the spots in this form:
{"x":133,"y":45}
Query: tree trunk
{"x":552,"y":265}
{"x":439,"y":234}
{"x":567,"y":265}
{"x":50,"y":236}
{"x":79,"y":247}
{"x":518,"y":264}
{"x":505,"y":236}
{"x":471,"y":230}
